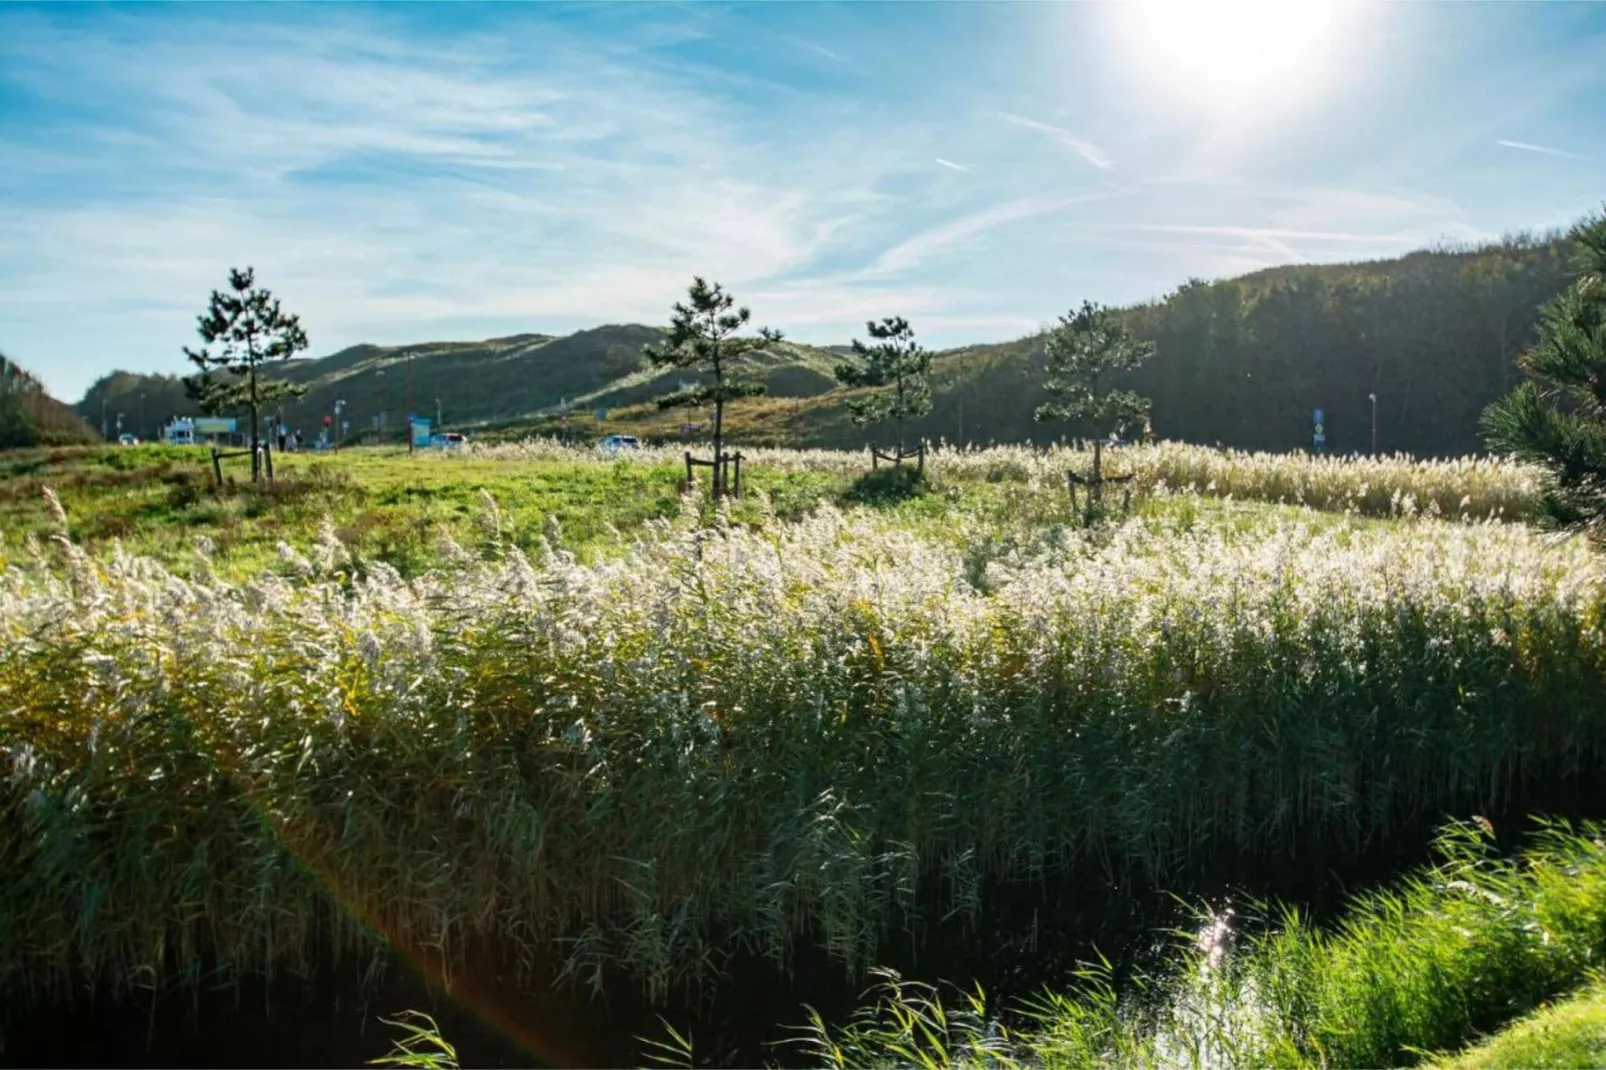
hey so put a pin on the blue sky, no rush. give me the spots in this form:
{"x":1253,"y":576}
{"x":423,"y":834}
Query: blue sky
{"x":415,"y":172}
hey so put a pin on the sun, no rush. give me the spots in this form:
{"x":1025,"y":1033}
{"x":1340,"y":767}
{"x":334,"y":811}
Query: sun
{"x":1237,"y":54}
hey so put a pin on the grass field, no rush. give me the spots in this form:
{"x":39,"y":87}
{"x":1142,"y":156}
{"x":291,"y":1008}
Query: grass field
{"x":390,"y":506}
{"x":529,"y":696}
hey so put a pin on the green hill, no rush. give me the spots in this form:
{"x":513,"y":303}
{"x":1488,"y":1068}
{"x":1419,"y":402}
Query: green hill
{"x":507,"y":381}
{"x":31,"y":417}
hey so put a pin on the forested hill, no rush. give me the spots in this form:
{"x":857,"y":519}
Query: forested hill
{"x":31,"y":417}
{"x":1244,"y":361}
{"x":1435,"y":335}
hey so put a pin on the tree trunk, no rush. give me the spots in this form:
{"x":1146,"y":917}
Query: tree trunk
{"x":1098,"y":469}
{"x":256,"y":457}
{"x":900,"y":419}
{"x":719,"y":441}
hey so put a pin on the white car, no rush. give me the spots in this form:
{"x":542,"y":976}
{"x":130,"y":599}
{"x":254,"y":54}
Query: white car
{"x":615,"y":443}
{"x":126,"y":439}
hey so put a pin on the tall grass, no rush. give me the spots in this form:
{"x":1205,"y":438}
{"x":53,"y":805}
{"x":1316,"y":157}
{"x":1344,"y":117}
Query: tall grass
{"x":731,"y":737}
{"x":1477,"y":488}
{"x":1443,"y":958}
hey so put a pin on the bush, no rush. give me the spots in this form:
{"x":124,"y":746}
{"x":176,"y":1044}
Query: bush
{"x":887,"y":486}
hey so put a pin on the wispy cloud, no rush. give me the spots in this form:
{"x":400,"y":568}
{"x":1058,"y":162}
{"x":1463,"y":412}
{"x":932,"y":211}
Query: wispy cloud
{"x":916,"y":251}
{"x":1085,"y":149}
{"x":818,"y":49}
{"x":954,"y":166}
{"x":349,"y":165}
{"x":1270,"y":233}
{"x":1526,"y":147}
{"x":1279,"y":241}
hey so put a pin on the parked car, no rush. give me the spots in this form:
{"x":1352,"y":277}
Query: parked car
{"x":448,"y":440}
{"x":615,"y":443}
{"x":126,"y":439}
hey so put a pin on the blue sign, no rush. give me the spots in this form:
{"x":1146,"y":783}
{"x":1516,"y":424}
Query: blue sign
{"x":1317,"y":417}
{"x":420,"y":431}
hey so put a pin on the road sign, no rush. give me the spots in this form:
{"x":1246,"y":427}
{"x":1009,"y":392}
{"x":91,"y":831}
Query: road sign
{"x":215,"y":425}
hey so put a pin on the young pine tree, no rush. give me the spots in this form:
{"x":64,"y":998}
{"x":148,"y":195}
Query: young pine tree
{"x":897,"y":365}
{"x":249,"y":329}
{"x":1088,"y":349}
{"x":1557,"y":420}
{"x":703,"y":338}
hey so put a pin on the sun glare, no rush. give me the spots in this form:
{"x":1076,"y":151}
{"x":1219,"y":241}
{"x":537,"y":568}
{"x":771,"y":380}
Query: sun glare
{"x":1239,"y":54}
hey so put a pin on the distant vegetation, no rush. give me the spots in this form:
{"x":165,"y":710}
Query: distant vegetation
{"x":1435,"y":334}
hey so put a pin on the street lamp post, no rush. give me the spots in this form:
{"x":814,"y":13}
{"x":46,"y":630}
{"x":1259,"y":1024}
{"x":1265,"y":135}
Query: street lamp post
{"x":438,"y":426}
{"x":1373,"y":396}
{"x":340,"y":407}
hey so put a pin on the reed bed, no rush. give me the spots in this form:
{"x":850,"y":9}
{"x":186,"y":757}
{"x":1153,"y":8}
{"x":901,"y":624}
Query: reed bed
{"x":1436,"y":962}
{"x":735,"y":736}
{"x":1475,"y":488}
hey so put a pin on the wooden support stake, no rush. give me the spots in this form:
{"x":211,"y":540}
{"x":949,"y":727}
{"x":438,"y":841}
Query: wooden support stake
{"x":217,"y":465}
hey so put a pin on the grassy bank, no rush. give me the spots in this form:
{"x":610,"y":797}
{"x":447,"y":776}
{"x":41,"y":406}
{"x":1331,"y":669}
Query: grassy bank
{"x":1447,"y":956}
{"x":1568,"y":1034}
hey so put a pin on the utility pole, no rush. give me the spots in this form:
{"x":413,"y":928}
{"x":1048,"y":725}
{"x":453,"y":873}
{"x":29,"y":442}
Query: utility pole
{"x":142,"y":427}
{"x":959,"y":392}
{"x":379,"y":405}
{"x":409,"y":403}
{"x":105,"y":429}
{"x":1373,"y":396}
{"x":440,"y":425}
